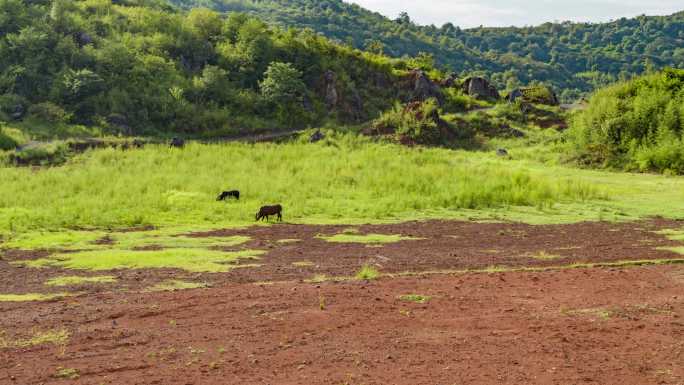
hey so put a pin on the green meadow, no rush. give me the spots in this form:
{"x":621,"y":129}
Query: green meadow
{"x":342,"y":180}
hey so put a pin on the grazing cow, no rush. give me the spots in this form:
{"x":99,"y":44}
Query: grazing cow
{"x":228,"y":194}
{"x":316,"y":137}
{"x":267,"y":211}
{"x":177,"y":143}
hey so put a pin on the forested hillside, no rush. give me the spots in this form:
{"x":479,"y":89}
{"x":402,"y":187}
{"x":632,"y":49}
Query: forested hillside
{"x":141,"y":67}
{"x":572,"y":57}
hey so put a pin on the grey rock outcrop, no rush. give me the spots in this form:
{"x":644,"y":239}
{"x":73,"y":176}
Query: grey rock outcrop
{"x":480,"y":88}
{"x":331,"y":95}
{"x":424,"y":88}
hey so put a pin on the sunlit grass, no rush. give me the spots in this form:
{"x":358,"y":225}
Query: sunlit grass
{"x":351,"y":181}
{"x":172,"y":237}
{"x":193,"y":260}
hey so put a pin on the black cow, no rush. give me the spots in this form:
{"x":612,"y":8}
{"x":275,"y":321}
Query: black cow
{"x":177,"y":143}
{"x":228,"y":194}
{"x":267,"y":211}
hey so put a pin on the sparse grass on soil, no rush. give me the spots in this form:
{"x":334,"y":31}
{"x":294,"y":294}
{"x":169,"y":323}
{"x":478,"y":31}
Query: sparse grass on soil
{"x":175,"y":285}
{"x":193,"y":260}
{"x":76,"y":280}
{"x":544,"y":256}
{"x":31,"y":297}
{"x":367,"y":238}
{"x":303,"y":264}
{"x":55,"y":337}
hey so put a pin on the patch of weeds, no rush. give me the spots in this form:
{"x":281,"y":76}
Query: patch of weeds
{"x":68,"y":373}
{"x":366,"y":238}
{"x":31,"y":297}
{"x":55,"y":337}
{"x":321,"y":302}
{"x":175,"y":285}
{"x":544,"y":256}
{"x":75,"y":280}
{"x":303,"y":264}
{"x":417,"y":298}
{"x":192,"y":260}
{"x":367,"y":273}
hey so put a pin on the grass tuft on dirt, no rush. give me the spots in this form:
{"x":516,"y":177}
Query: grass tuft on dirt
{"x":76,"y":280}
{"x":367,"y":273}
{"x":192,"y":260}
{"x":68,"y":373}
{"x":417,"y":298}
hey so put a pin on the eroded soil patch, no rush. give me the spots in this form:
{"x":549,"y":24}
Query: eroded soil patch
{"x":301,"y":252}
{"x":511,"y":328}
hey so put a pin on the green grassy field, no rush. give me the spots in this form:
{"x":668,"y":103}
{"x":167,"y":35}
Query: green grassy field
{"x":343,"y":180}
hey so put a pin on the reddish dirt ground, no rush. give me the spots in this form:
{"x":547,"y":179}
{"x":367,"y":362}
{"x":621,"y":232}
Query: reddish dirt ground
{"x":583,"y":326}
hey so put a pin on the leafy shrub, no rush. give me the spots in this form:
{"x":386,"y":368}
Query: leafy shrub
{"x":43,"y":155}
{"x":11,"y":104}
{"x":48,"y":112}
{"x":6,"y":141}
{"x":634,"y":125}
{"x":419,"y":122}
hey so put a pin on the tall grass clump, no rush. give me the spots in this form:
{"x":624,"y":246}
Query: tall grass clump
{"x":343,"y":178}
{"x":635,"y":125}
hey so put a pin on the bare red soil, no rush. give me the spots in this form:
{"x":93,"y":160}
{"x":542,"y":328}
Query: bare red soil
{"x":583,"y":326}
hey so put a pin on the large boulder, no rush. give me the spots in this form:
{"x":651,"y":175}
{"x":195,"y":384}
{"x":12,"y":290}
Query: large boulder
{"x":424,"y":88}
{"x":480,"y":88}
{"x":536,"y":95}
{"x":450,"y":81}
